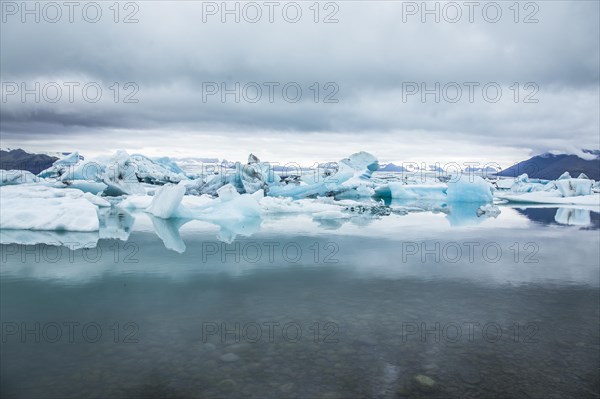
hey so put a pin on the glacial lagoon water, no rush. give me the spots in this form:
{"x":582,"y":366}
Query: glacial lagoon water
{"x":401,"y":306}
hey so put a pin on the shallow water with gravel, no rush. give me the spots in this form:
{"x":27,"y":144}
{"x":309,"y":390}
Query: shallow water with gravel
{"x":373,"y":308}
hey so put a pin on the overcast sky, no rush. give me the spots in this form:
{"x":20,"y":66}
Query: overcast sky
{"x":369,"y":68}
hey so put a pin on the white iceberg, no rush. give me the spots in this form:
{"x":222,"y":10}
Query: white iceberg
{"x":61,"y":166}
{"x":248,"y":178}
{"x":46,"y":208}
{"x":564,"y":190}
{"x":399,"y":190}
{"x":235,"y":213}
{"x":551,"y":197}
{"x":12,"y":177}
{"x":119,"y":174}
{"x":574,"y":187}
{"x":470,"y":189}
{"x":166,"y":200}
{"x":524,"y":184}
{"x":351,"y":177}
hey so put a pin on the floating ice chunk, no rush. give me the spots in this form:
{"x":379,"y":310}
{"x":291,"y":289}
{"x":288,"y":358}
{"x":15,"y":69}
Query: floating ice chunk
{"x":564,"y":176}
{"x":235,"y":213}
{"x":87,"y":170}
{"x":583,"y":186}
{"x":227,"y":193}
{"x":523,"y":184}
{"x":38,"y":207}
{"x":169,"y":164}
{"x":352,"y":172}
{"x":60,"y":213}
{"x":149,"y":171}
{"x":254,"y":177}
{"x":232,"y":206}
{"x":505,"y":183}
{"x":354,"y":188}
{"x":565,"y":187}
{"x":87,"y":186}
{"x":551,"y":197}
{"x":583,"y":176}
{"x":219,"y":180}
{"x":301,"y":190}
{"x":96,"y":200}
{"x":574,"y":187}
{"x":166,"y":200}
{"x":361,"y":161}
{"x":253,"y":159}
{"x":136,"y":202}
{"x":395,"y":190}
{"x":249,"y":178}
{"x":120,"y":176}
{"x":193,"y":187}
{"x":121,"y":173}
{"x":349,"y":177}
{"x":470,"y":189}
{"x":61,"y":166}
{"x":12,"y":177}
{"x":398,"y":190}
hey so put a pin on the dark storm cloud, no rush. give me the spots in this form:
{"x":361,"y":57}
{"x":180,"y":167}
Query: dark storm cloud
{"x":369,"y":56}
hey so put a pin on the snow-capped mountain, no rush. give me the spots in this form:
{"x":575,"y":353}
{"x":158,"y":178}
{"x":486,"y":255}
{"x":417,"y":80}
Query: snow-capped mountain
{"x":551,"y":166}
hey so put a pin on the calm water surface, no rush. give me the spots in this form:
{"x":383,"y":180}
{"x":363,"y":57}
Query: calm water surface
{"x":403,"y":306}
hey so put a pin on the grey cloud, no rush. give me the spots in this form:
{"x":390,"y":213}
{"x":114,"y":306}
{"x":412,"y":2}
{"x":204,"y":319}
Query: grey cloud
{"x":368,"y":54}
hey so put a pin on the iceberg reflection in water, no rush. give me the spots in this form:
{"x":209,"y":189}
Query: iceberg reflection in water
{"x":118,"y":223}
{"x":404,"y":305}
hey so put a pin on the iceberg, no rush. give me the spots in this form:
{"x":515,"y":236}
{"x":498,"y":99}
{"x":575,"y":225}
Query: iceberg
{"x":249,"y":178}
{"x":235,"y":213}
{"x":399,"y":190}
{"x":470,"y":189}
{"x":564,"y":190}
{"x":552,"y":197}
{"x":564,"y":176}
{"x":574,"y":187}
{"x":12,"y":177}
{"x":61,"y":166}
{"x":166,"y":200}
{"x":57,"y":211}
{"x":351,"y":178}
{"x":162,"y":172}
{"x":120,"y":174}
{"x":523,"y":184}
{"x":86,"y":186}
{"x":230,"y":205}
